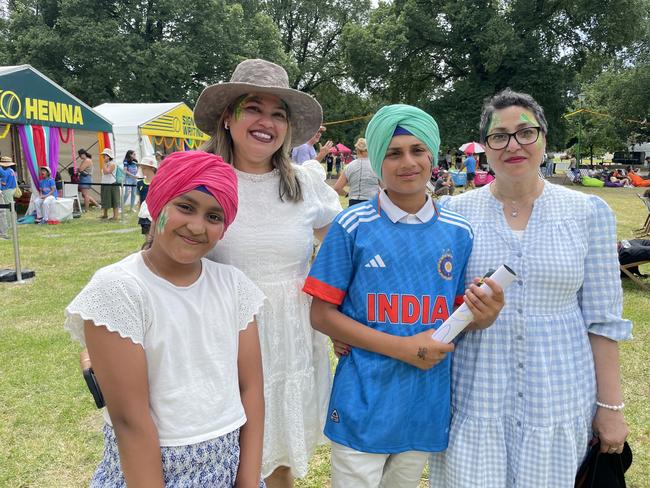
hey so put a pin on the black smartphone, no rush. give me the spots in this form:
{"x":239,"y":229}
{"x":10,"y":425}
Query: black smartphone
{"x":93,"y":386}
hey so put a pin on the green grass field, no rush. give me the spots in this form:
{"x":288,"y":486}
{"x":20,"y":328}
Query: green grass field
{"x":49,"y":429}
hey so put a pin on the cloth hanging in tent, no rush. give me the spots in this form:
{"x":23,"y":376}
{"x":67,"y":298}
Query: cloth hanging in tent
{"x":40,"y":146}
{"x":104,"y":142}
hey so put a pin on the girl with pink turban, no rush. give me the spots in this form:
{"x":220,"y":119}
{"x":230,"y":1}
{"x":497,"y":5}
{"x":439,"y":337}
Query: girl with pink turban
{"x":174,"y":343}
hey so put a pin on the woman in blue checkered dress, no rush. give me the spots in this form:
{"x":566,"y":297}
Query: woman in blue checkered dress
{"x":529,"y":392}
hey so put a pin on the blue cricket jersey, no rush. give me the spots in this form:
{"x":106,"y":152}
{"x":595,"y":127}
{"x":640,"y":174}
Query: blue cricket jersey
{"x":401,"y":279}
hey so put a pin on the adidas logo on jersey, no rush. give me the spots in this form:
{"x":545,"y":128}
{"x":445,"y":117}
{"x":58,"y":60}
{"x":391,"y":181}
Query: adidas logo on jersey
{"x":376,"y":262}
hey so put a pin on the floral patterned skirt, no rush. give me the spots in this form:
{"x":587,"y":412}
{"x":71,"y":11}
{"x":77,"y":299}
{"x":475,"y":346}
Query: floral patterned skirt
{"x":211,"y":463}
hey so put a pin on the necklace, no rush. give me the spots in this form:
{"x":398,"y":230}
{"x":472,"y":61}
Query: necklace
{"x":514,"y":210}
{"x":514,"y":206}
{"x":149,"y":263}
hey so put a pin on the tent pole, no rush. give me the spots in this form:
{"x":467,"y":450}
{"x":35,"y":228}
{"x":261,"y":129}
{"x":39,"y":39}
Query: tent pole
{"x":14,"y":230}
{"x":124,"y":178}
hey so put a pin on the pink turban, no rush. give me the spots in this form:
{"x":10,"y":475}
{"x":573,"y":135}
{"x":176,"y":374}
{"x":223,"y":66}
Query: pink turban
{"x":187,"y":170}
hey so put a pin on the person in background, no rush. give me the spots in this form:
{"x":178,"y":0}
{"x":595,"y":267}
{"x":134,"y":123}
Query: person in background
{"x":46,"y":195}
{"x":549,"y":166}
{"x":110,"y":190}
{"x":444,"y":184}
{"x":254,"y":120}
{"x":634,"y":251}
{"x":447,"y":161}
{"x":85,"y":171}
{"x":74,"y":175}
{"x":58,"y":182}
{"x":361,"y":180}
{"x":329,"y":164}
{"x":470,"y":166}
{"x":529,"y":393}
{"x":7,"y":190}
{"x":620,"y":176}
{"x":148,"y":166}
{"x":174,"y":344}
{"x":306,"y":151}
{"x":130,"y":172}
{"x":338,"y":157}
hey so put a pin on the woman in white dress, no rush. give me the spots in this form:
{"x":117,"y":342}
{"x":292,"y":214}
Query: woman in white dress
{"x":254,"y":120}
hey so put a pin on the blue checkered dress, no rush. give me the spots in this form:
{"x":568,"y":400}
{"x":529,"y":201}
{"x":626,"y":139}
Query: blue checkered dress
{"x":523,"y":390}
{"x":207,"y":464}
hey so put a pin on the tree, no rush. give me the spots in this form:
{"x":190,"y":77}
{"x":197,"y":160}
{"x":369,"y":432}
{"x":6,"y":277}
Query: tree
{"x":137,"y":51}
{"x":310,"y":32}
{"x":340,"y":105}
{"x":617,"y":105}
{"x":447,"y":56}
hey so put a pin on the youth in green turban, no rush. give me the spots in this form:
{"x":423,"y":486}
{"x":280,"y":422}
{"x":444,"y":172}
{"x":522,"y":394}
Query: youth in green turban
{"x":400,"y":119}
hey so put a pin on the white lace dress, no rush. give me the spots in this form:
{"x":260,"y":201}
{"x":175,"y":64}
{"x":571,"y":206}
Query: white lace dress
{"x":271,"y":241}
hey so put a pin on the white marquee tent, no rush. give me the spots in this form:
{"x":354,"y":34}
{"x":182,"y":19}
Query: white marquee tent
{"x":147,"y":127}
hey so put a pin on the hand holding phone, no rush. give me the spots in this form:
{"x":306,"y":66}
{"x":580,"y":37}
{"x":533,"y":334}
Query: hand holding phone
{"x":93,"y":386}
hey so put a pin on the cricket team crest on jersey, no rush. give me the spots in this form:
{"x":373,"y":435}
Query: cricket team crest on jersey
{"x":445,"y":265}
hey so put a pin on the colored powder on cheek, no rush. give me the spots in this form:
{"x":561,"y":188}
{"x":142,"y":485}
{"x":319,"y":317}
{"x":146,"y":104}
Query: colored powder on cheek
{"x":162,"y":221}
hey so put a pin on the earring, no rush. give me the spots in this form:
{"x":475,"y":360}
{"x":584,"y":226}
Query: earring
{"x":226,"y":126}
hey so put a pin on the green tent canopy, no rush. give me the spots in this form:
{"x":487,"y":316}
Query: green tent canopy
{"x":29,"y":97}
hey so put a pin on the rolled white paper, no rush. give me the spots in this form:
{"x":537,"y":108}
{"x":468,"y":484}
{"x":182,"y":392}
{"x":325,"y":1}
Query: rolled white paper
{"x":461,"y":318}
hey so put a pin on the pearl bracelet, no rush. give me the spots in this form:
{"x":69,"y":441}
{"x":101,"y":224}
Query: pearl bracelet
{"x":616,"y":408}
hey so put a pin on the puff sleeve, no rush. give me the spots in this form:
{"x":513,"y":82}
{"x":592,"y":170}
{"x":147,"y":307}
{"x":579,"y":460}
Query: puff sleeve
{"x":325,"y":198}
{"x":601,"y":295}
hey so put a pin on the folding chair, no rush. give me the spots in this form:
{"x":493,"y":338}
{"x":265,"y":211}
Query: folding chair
{"x":645,"y":229}
{"x":570,"y":176}
{"x":71,"y":190}
{"x":625,"y":269}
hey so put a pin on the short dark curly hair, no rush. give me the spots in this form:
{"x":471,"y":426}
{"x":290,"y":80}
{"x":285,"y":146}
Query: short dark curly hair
{"x":508,"y":98}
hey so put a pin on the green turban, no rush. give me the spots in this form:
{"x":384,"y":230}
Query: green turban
{"x":382,"y":126}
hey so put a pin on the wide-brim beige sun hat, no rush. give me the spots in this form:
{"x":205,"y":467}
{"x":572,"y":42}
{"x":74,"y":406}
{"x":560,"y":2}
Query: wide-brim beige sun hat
{"x":6,"y":161}
{"x":260,"y":76}
{"x":148,"y":161}
{"x":107,"y":152}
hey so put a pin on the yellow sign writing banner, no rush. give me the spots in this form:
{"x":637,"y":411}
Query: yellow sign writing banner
{"x":178,"y":122}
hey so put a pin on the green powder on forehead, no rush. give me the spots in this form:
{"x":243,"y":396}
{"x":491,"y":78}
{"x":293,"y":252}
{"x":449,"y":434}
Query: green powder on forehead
{"x":494,"y":121}
{"x":237,"y":108}
{"x":524,"y":117}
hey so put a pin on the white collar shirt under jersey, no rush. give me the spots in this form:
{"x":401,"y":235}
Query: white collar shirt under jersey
{"x":396,"y":214}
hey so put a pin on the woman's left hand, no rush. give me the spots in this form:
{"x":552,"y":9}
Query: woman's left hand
{"x":611,"y":429}
{"x":484,"y":307}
